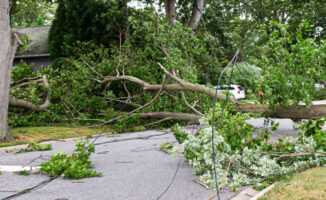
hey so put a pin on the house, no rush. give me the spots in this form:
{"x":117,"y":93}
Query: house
{"x":37,"y":51}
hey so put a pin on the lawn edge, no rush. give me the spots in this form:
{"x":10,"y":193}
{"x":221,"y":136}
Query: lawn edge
{"x":22,"y":146}
{"x":264,"y":191}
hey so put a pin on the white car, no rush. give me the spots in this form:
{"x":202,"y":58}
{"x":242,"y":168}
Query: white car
{"x":236,"y":90}
{"x":319,"y":87}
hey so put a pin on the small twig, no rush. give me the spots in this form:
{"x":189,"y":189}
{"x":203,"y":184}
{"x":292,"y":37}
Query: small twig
{"x":182,"y":82}
{"x":126,"y":89}
{"x":27,"y":83}
{"x":202,"y":184}
{"x":226,"y":173}
{"x":17,"y":39}
{"x":157,"y":122}
{"x":224,"y":178}
{"x":124,"y":102}
{"x":93,"y":69}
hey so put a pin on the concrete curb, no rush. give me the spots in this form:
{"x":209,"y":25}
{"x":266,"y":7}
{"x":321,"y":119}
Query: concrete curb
{"x":23,"y":146}
{"x":264,"y":191}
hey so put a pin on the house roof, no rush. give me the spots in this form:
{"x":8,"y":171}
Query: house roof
{"x":38,"y":40}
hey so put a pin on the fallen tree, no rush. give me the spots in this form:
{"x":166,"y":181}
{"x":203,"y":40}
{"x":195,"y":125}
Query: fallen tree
{"x":180,"y":86}
{"x":294,"y":112}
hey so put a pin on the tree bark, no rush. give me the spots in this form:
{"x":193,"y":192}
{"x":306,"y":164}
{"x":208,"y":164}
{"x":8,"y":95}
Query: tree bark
{"x":9,"y":45}
{"x":196,"y":14}
{"x":30,"y":105}
{"x":126,"y":21}
{"x":190,"y":118}
{"x":315,"y":111}
{"x":170,"y":11}
{"x":183,"y":86}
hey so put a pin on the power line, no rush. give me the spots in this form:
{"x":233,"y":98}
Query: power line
{"x":233,"y":61}
{"x":177,"y":169}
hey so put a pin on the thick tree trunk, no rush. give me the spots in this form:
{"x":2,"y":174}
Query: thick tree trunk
{"x":196,"y":14}
{"x":7,"y":52}
{"x":315,"y":111}
{"x":170,"y":11}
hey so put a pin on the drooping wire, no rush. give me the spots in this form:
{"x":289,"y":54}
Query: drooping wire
{"x":177,"y":169}
{"x":41,"y":184}
{"x":232,"y":62}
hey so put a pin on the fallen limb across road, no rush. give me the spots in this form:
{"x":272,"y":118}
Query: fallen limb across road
{"x":303,"y":112}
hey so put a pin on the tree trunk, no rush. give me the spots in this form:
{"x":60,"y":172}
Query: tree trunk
{"x":7,"y":52}
{"x":170,"y":11}
{"x":126,"y":22}
{"x":315,"y":111}
{"x":196,"y":14}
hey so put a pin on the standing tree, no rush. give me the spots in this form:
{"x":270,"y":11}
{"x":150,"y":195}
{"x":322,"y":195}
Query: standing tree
{"x":100,"y":22}
{"x":9,"y":45}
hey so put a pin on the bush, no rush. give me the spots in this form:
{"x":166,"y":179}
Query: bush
{"x":247,"y":76}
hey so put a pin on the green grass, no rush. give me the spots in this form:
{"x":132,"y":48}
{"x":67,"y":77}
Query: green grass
{"x":39,"y":134}
{"x":310,"y":184}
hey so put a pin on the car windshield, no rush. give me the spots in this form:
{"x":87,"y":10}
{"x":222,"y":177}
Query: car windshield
{"x":226,"y":87}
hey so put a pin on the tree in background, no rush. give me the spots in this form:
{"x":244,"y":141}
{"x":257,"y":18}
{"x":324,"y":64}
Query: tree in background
{"x":101,"y":22}
{"x":25,"y":13}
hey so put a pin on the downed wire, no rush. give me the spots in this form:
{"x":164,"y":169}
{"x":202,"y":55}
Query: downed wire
{"x":176,"y":171}
{"x":233,"y":61}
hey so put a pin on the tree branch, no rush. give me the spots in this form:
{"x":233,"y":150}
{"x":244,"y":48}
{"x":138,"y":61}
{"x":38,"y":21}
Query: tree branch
{"x":139,"y":108}
{"x":189,"y":106}
{"x":30,"y":105}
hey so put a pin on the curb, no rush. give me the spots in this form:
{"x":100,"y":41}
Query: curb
{"x":22,"y":146}
{"x":264,"y":191}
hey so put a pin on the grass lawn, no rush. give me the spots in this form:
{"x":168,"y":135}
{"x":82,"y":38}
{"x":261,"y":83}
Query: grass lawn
{"x":310,"y":184}
{"x":39,"y":134}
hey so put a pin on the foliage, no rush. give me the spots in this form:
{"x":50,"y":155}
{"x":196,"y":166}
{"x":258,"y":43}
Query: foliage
{"x":89,"y":20}
{"x":28,"y":13}
{"x":245,"y":75}
{"x":78,"y":96}
{"x":252,"y":159}
{"x":23,"y":173}
{"x":32,"y":146}
{"x":74,"y":166}
{"x":314,"y":129}
{"x":166,"y":146}
{"x":291,"y":62}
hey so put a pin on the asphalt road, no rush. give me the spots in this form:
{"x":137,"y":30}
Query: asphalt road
{"x":133,"y":168}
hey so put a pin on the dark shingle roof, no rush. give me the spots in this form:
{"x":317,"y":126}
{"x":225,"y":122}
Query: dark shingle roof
{"x":38,"y":36}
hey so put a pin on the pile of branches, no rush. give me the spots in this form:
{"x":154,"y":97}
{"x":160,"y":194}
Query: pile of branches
{"x":244,"y":158}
